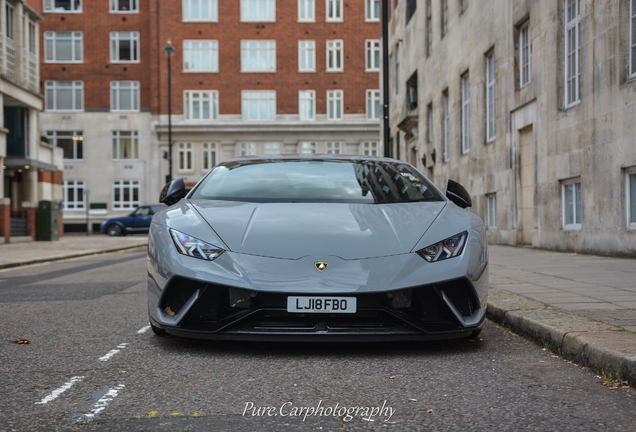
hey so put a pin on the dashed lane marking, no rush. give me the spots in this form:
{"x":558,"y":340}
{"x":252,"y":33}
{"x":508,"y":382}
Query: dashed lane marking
{"x":143,"y":329}
{"x":100,"y":405}
{"x":57,"y":392}
{"x":113,"y":352}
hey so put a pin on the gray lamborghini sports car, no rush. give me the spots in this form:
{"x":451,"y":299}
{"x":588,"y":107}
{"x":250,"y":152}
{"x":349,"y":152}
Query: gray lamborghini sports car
{"x":316,"y":247}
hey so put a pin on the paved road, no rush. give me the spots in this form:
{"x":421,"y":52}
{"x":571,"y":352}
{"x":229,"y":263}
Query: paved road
{"x":92,"y":364}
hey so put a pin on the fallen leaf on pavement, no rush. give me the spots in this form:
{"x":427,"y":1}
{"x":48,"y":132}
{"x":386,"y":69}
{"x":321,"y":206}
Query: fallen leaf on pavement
{"x":169,"y":311}
{"x":430,"y":411}
{"x":412,"y":400}
{"x":393,"y":376}
{"x":21,"y":341}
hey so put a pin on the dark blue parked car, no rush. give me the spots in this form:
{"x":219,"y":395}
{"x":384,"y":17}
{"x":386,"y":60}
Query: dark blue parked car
{"x":136,"y":222}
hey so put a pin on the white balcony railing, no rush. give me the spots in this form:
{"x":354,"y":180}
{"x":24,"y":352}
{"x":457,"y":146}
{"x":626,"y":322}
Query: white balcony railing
{"x":10,"y":56}
{"x":19,"y":66}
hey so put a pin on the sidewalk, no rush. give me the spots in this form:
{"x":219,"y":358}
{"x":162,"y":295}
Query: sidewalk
{"x":581,"y":307}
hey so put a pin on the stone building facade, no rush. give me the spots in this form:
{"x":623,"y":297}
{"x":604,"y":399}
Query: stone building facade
{"x":531,"y":105}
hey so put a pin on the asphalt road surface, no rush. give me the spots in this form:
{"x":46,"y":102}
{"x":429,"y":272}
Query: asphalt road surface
{"x":93,"y":364}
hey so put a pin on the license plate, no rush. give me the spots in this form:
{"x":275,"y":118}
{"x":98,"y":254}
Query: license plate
{"x":321,"y":304}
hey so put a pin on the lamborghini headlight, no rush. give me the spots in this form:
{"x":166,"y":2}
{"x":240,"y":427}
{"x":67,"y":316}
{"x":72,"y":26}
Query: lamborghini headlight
{"x":193,"y":247}
{"x":449,"y":248}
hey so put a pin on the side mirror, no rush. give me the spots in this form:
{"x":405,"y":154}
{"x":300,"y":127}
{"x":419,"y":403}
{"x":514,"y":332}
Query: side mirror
{"x":458,"y":194}
{"x":173,"y":192}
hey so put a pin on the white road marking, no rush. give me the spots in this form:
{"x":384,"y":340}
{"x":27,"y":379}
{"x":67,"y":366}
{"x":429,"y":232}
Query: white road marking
{"x":57,"y":392}
{"x":113,"y":352}
{"x":144,"y":329}
{"x":101,"y":404}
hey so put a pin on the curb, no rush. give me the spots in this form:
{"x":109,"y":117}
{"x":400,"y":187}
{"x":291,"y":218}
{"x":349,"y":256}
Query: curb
{"x":588,"y":343}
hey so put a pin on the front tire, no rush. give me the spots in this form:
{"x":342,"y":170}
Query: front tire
{"x":114,"y":230}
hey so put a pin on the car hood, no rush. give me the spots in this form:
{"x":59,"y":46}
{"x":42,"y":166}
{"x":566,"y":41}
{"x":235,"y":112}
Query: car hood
{"x":296,"y":230}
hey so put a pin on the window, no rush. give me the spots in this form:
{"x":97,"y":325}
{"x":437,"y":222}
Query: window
{"x":429,"y":122}
{"x":125,"y":194}
{"x":334,"y":56}
{"x":63,"y":47}
{"x":74,"y":195}
{"x":411,"y":5}
{"x":248,"y":149}
{"x":373,"y":104}
{"x":490,"y":97}
{"x":62,"y":5}
{"x":465,"y":114}
{"x":200,"y":105}
{"x":411,"y":91}
{"x":64,"y":95}
{"x":71,"y":142}
{"x":124,"y":95}
{"x":124,"y":6}
{"x":124,"y":47}
{"x":307,"y":104}
{"x":372,"y":10}
{"x":9,"y":26}
{"x":524,"y":54}
{"x":333,"y":148}
{"x":258,"y":56}
{"x":632,"y":39}
{"x":125,"y":145}
{"x":259,"y":104}
{"x":370,"y":148}
{"x":209,"y":156}
{"x":492,"y":210}
{"x":307,"y":10}
{"x":306,"y":56}
{"x":334,"y":104}
{"x":631,"y":198}
{"x":572,"y":204}
{"x":334,"y":10}
{"x":200,"y":10}
{"x":446,"y":126}
{"x":258,"y":10}
{"x":572,"y":20}
{"x":429,"y":28}
{"x":200,"y":55}
{"x":373,"y":55}
{"x":397,"y":70}
{"x":307,"y":147}
{"x":271,"y":148}
{"x":444,"y":18}
{"x":185,"y":157}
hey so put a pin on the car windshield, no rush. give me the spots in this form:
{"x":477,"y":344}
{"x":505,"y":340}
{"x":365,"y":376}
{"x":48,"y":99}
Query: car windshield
{"x":316,"y":181}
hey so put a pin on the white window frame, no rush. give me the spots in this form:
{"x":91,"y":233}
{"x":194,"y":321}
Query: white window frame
{"x":335,"y":104}
{"x":51,"y":52}
{"x":630,"y":195}
{"x":52,"y":88}
{"x":369,"y":148}
{"x":632,"y":39}
{"x":118,"y":36}
{"x":370,"y":9}
{"x":491,"y":113}
{"x":133,"y":6}
{"x":306,"y":56}
{"x":307,"y":147}
{"x":374,"y":106}
{"x":465,"y":113}
{"x":116,"y":89}
{"x":577,"y":206}
{"x":335,"y":55}
{"x":372,"y":55}
{"x":270,"y":148}
{"x":194,"y":102}
{"x":184,"y":157}
{"x":306,"y":105}
{"x":118,"y":145}
{"x":76,"y":186}
{"x":525,"y":55}
{"x":572,"y":31}
{"x":122,"y":184}
{"x":201,"y":55}
{"x":334,"y":11}
{"x":258,"y":10}
{"x":76,"y":137}
{"x":248,"y":149}
{"x":258,"y":55}
{"x":492,"y":210}
{"x":49,"y":7}
{"x":264,"y":101}
{"x":306,"y":10}
{"x":446,"y":97}
{"x":196,"y":7}
{"x":429,"y":122}
{"x":334,"y":147}
{"x":208,"y":156}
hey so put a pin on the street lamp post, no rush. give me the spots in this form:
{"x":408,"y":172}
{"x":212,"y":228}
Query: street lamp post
{"x":169,"y":50}
{"x":386,"y":128}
